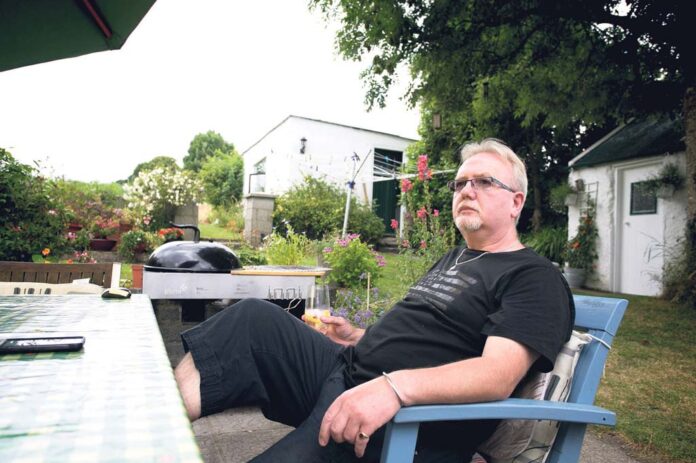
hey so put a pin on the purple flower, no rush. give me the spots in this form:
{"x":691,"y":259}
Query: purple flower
{"x":328,"y":249}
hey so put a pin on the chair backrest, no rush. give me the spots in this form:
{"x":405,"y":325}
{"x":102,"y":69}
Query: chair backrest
{"x":106,"y":275}
{"x":600,"y":317}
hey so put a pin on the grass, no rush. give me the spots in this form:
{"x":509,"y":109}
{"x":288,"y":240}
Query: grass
{"x":215,"y":232}
{"x":651,"y":380}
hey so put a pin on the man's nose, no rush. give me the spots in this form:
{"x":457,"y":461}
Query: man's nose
{"x":468,"y":190}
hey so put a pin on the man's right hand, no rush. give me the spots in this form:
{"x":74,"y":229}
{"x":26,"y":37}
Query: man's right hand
{"x":339,"y":330}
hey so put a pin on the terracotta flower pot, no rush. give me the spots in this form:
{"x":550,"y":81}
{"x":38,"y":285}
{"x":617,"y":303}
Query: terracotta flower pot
{"x":137,"y":275}
{"x":101,"y":244}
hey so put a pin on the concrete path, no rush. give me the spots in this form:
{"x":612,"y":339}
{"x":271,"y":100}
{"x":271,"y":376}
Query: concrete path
{"x":236,"y":436}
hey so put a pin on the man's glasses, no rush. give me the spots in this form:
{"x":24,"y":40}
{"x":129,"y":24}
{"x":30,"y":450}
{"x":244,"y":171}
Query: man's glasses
{"x":477,"y":183}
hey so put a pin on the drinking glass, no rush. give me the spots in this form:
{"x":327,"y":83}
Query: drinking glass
{"x":317,"y":304}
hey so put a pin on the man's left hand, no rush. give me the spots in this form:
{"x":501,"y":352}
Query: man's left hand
{"x":359,"y":412}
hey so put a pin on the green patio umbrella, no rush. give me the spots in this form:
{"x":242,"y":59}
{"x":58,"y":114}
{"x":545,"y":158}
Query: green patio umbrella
{"x":36,"y":31}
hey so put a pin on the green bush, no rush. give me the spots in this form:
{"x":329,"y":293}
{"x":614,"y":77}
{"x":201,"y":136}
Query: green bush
{"x":247,"y":255}
{"x":286,"y":250}
{"x":222,"y":177}
{"x":132,"y":243}
{"x":316,"y":209}
{"x":31,"y":219}
{"x":351,"y":261}
{"x":230,"y":216}
{"x":549,"y":242}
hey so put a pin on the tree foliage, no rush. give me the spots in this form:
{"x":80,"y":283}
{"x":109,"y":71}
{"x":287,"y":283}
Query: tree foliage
{"x":164,"y":162}
{"x":222,"y":177}
{"x":31,"y":219}
{"x":205,"y":146}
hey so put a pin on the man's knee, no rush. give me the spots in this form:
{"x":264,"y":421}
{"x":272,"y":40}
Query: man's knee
{"x":188,"y":379}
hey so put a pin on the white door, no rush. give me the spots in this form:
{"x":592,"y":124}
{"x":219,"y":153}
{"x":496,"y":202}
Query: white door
{"x":641,"y":237}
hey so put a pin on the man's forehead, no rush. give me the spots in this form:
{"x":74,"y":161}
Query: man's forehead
{"x":482,"y":164}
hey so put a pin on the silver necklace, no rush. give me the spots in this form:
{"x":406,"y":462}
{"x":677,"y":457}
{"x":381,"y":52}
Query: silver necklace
{"x":456,"y":261}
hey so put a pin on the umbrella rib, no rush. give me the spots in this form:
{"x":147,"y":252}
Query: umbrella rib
{"x":98,"y":19}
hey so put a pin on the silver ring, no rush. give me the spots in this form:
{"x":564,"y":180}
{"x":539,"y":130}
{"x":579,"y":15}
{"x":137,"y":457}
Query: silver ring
{"x":362,"y":435}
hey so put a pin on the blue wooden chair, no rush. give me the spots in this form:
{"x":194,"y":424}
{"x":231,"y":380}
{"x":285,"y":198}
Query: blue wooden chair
{"x":599,"y":316}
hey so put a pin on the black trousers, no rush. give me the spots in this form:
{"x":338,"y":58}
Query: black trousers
{"x":254,"y":353}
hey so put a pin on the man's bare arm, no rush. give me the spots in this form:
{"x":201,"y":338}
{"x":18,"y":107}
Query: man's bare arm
{"x":367,"y":407}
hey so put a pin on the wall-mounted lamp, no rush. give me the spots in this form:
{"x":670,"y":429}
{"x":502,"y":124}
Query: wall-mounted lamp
{"x":437,"y":121}
{"x":303,"y":145}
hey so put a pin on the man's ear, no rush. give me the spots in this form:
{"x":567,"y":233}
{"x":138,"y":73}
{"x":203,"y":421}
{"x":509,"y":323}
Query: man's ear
{"x":517,"y":204}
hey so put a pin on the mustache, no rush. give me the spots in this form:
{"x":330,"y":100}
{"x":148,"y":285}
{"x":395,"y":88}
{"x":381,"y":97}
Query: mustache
{"x":464,"y":207}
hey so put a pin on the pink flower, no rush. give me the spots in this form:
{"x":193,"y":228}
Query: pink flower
{"x":422,"y":213}
{"x":394,"y":224}
{"x":422,"y":166}
{"x":147,"y":220}
{"x":406,"y":244}
{"x":406,"y":185}
{"x":72,"y":235}
{"x":436,"y":213}
{"x":328,"y":250}
{"x":52,"y":212}
{"x":423,"y":244}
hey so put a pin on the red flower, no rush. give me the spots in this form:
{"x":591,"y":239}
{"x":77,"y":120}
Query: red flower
{"x":422,"y":166}
{"x":423,"y":244}
{"x":394,"y":224}
{"x":422,"y":213}
{"x":436,"y":213}
{"x":406,"y":185}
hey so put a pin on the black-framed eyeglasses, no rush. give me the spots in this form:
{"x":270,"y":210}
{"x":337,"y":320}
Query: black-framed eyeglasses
{"x":477,"y":183}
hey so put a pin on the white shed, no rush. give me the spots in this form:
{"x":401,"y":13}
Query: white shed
{"x":300,"y":147}
{"x":639,"y":231}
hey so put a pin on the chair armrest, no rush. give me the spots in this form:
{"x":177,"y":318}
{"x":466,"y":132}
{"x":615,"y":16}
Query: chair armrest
{"x":520,"y":409}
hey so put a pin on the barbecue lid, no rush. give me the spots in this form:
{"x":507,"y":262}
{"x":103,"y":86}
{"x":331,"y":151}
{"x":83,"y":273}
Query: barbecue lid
{"x":192,"y":256}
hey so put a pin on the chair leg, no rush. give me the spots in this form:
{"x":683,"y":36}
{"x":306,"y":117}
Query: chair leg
{"x":568,"y":443}
{"x":399,"y":442}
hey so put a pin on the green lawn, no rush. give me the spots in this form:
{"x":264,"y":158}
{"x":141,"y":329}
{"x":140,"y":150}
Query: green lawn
{"x":210,"y":231}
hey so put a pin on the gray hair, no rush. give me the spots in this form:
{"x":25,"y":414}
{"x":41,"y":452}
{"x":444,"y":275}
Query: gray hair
{"x":497,"y":147}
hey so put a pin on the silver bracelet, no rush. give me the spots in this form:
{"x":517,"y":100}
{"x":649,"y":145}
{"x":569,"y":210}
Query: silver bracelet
{"x":394,"y":388}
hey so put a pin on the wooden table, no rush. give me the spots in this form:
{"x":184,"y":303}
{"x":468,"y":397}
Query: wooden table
{"x":114,"y":401}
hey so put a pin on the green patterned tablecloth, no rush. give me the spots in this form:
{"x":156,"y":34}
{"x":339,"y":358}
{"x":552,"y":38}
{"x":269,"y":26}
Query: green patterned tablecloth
{"x":114,"y":401}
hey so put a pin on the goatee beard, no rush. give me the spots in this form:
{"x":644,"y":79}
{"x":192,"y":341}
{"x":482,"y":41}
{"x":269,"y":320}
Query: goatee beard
{"x":469,"y":224}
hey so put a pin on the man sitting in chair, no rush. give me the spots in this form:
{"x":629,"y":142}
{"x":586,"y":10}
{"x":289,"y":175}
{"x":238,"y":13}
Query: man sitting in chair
{"x":468,"y":331}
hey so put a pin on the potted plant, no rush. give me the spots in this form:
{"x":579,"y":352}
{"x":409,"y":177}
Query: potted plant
{"x":563,"y":195}
{"x":102,"y":228}
{"x":132,"y":243}
{"x":581,"y":252}
{"x":171,"y":234}
{"x":668,"y":180}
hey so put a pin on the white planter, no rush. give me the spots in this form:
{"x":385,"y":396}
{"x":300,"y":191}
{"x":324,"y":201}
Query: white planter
{"x":574,"y":276}
{"x":571,"y":199}
{"x":665,"y":191}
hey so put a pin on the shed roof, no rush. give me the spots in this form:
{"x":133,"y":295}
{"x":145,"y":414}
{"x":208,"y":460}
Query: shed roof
{"x":649,"y":136}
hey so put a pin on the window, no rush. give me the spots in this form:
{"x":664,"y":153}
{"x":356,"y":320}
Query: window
{"x":643,"y":200}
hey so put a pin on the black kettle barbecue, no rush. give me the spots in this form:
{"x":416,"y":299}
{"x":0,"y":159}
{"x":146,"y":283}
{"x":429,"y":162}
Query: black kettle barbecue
{"x":192,"y":256}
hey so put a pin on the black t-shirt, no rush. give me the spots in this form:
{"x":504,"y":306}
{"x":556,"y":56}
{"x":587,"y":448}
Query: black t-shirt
{"x":465,"y":297}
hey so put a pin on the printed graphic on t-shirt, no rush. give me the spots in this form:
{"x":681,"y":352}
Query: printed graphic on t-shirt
{"x":440,"y":288}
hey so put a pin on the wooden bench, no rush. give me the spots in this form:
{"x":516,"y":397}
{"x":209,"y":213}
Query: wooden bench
{"x":105,"y":275}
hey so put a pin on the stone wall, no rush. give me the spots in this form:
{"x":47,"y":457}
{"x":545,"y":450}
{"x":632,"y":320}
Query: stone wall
{"x":258,"y":217}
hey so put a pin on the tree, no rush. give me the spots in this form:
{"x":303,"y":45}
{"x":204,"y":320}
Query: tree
{"x":204,"y":146}
{"x":164,"y":162}
{"x":222,"y":176}
{"x":576,"y":61}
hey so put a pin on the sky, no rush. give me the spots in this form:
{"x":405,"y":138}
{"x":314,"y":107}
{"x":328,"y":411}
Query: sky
{"x":238,"y":68}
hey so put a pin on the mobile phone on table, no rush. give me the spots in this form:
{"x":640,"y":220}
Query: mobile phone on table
{"x":42,"y":344}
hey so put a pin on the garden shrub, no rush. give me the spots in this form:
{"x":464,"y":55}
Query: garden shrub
{"x":352,"y":305}
{"x":549,"y":242}
{"x":230,"y":217}
{"x":154,"y":195}
{"x":429,"y":233}
{"x":581,"y":250}
{"x":248,"y":255}
{"x":222,"y":177}
{"x":316,"y":208}
{"x":31,"y":219}
{"x":286,"y":250}
{"x":351,"y":261}
{"x":84,"y":202}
